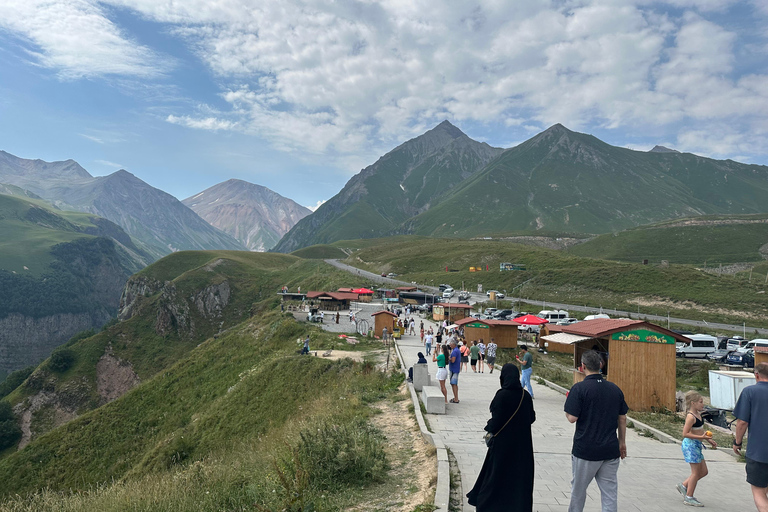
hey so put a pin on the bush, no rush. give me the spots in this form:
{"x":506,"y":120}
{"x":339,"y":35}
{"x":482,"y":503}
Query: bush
{"x":14,"y":380}
{"x":10,"y":432}
{"x":62,"y":359}
{"x":337,"y":455}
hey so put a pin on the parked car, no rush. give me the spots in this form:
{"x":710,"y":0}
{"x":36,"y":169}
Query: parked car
{"x":760,"y":342}
{"x":700,"y":346}
{"x":391,"y":274}
{"x":521,"y":313}
{"x":490,"y":311}
{"x":442,"y":287}
{"x":499,"y":295}
{"x":502,"y":313}
{"x":595,"y":317}
{"x":529,"y":328}
{"x":383,"y":274}
{"x":736,"y":343}
{"x":448,"y":293}
{"x":464,"y":295}
{"x":719,"y":355}
{"x":745,"y":359}
{"x":476,"y":315}
{"x":567,"y":321}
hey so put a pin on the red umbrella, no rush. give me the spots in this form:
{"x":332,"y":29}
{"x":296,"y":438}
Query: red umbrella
{"x":530,"y":320}
{"x":362,"y":290}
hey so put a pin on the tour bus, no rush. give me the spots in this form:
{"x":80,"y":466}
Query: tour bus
{"x":553,"y":316}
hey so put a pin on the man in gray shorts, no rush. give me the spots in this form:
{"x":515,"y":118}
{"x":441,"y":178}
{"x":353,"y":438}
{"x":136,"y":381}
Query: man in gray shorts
{"x":751,"y":412}
{"x":490,"y":353}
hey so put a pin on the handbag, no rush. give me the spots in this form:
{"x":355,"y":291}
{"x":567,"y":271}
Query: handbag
{"x":488,"y":437}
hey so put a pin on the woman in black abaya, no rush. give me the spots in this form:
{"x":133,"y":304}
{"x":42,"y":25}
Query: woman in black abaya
{"x":505,"y":483}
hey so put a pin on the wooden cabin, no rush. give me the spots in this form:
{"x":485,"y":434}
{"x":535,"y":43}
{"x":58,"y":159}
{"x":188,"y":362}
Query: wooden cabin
{"x":452,"y":312}
{"x":504,"y":332}
{"x":384,"y":319}
{"x":332,"y":301}
{"x":761,"y":355}
{"x":638,"y":356}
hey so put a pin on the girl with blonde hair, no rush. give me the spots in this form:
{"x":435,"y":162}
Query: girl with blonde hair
{"x":693,"y":448}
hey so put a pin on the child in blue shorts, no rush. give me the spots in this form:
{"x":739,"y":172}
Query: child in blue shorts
{"x":693,"y":447}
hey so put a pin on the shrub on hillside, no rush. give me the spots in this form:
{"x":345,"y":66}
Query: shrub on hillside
{"x":10,"y":432}
{"x":338,"y":455}
{"x":62,"y":359}
{"x":14,"y":380}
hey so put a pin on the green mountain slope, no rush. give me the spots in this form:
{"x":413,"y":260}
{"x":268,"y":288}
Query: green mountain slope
{"x":205,"y":395}
{"x":60,"y":273}
{"x":571,"y":182}
{"x":398,"y":186}
{"x":706,"y":239}
{"x":556,"y":276}
{"x":166,"y":310}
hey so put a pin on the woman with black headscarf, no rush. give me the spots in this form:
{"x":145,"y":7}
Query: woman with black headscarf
{"x":505,"y":483}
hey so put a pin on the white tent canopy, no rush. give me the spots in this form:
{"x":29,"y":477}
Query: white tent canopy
{"x":564,"y":338}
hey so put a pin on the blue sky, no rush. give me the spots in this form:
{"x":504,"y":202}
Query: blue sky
{"x":299,"y":96}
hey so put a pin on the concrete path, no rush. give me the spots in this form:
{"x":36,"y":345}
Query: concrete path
{"x":647,"y":477}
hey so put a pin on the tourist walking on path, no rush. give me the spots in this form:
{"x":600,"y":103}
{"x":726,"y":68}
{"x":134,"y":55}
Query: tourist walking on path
{"x":428,"y":343}
{"x":305,"y":348}
{"x":693,"y":448}
{"x":526,"y":363}
{"x":474,"y":355}
{"x":481,"y":346}
{"x":464,"y":353}
{"x":490,"y":353}
{"x":454,"y":367}
{"x":441,"y":357}
{"x":599,"y":411}
{"x":751,"y":412}
{"x":505,"y":482}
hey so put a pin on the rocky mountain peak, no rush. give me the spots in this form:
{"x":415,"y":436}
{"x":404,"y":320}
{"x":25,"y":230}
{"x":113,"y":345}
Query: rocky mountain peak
{"x":662,"y":149}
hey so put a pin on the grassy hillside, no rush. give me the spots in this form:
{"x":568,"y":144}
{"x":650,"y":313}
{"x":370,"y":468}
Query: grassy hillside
{"x":557,"y":277}
{"x":190,"y":296}
{"x":320,"y":252}
{"x":707,"y":239}
{"x":206,"y":434}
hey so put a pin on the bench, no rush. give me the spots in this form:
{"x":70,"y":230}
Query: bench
{"x":433,"y":399}
{"x":420,"y":376}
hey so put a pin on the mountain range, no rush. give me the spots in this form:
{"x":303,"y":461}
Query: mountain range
{"x":445,"y":184}
{"x":156,"y":220}
{"x":254,"y":215}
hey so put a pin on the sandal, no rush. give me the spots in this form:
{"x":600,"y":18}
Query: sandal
{"x":453,"y":401}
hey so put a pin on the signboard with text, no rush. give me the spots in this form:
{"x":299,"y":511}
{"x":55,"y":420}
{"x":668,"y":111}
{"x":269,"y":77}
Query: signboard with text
{"x":644,"y":336}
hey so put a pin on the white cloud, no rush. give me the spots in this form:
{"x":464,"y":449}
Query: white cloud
{"x":317,"y":205}
{"x":92,"y":138}
{"x":76,"y":38}
{"x":207,"y":123}
{"x":345,"y":81}
{"x":107,"y":163}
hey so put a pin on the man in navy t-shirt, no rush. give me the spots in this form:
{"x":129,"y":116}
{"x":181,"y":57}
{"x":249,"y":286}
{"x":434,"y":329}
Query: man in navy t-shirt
{"x":599,"y":410}
{"x":752,"y":411}
{"x":454,"y":366}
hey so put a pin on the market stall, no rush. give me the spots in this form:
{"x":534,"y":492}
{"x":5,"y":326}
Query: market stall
{"x":638,"y":356}
{"x":384,"y":319}
{"x":504,"y":332}
{"x":450,"y":311}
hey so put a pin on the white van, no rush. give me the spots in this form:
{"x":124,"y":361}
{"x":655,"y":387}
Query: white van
{"x":448,"y":293}
{"x":553,"y":316}
{"x":760,"y":342}
{"x":601,"y":316}
{"x":699,"y":346}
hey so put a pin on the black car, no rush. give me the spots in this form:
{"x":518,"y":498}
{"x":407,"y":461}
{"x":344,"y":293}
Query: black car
{"x":747,"y":359}
{"x":502,"y":313}
{"x":719,"y":355}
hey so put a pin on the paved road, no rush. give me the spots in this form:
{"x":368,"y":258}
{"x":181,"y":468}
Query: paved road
{"x":479,"y":297}
{"x":646,"y":480}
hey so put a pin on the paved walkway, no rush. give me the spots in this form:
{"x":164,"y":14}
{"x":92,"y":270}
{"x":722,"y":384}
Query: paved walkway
{"x":647,"y":477}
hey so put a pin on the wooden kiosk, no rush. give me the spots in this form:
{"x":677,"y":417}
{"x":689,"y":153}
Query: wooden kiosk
{"x":638,"y":356}
{"x":504,"y":332}
{"x":452,"y":312}
{"x":384,"y":319}
{"x":761,"y":355}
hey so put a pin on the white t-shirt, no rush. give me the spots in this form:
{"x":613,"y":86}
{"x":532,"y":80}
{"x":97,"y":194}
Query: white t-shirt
{"x":428,"y":339}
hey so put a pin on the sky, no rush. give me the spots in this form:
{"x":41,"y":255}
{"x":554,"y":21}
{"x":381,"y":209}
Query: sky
{"x":299,"y":96}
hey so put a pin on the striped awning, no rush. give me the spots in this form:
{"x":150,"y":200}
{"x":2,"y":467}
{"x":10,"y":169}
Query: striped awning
{"x":564,"y":338}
